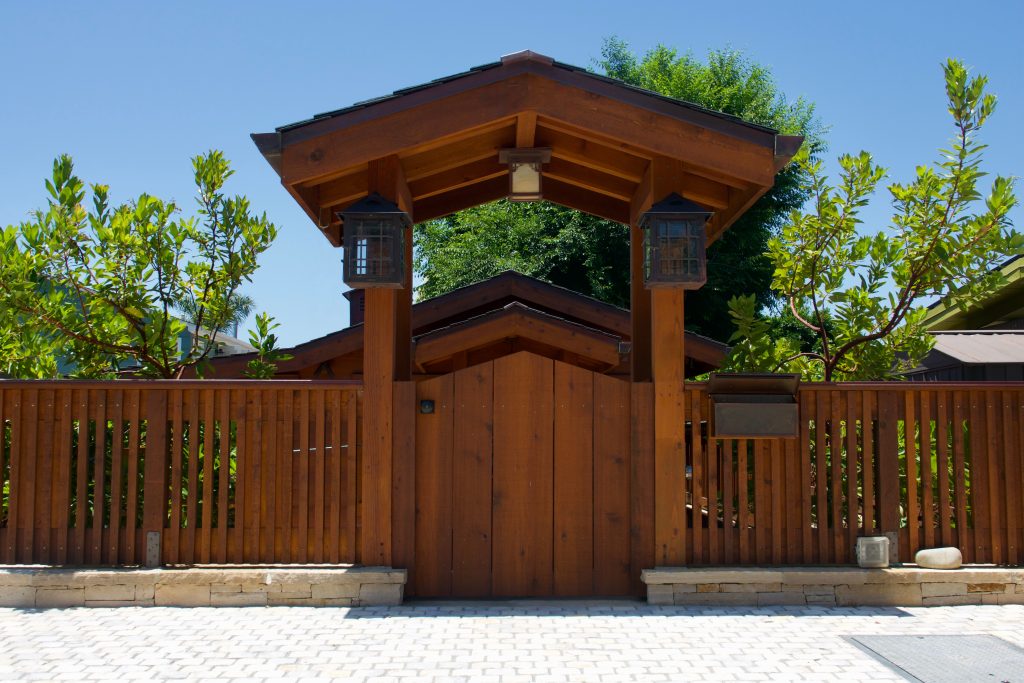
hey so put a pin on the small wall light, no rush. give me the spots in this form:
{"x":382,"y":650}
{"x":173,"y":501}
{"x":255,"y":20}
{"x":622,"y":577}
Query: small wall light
{"x":426,"y":407}
{"x":524,"y":172}
{"x":675,"y":243}
{"x":374,"y":243}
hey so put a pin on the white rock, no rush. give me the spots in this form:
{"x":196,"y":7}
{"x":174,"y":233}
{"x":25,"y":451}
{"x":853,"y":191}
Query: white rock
{"x":939,"y":558}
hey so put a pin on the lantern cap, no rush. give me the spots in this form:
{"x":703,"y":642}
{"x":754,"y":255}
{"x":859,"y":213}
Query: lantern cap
{"x":677,"y":204}
{"x":374,"y":204}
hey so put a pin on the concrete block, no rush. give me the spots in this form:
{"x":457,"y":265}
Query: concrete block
{"x":118,"y":603}
{"x":934,"y":590}
{"x":708,"y":588}
{"x":751,"y":587}
{"x":178,"y":595}
{"x":659,"y":594}
{"x":145,"y":591}
{"x":380,"y":594}
{"x":952,"y":600}
{"x":17,"y":596}
{"x":338,"y":602}
{"x":252,"y":599}
{"x":903,"y":594}
{"x":684,"y":588}
{"x":60,"y":597}
{"x":108,"y":593}
{"x":986,"y":588}
{"x":780,"y":598}
{"x":225,"y":588}
{"x":820,"y":600}
{"x":334,"y":590}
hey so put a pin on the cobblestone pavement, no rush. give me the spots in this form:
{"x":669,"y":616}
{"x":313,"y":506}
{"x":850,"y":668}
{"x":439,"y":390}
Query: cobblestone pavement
{"x":548,"y":641}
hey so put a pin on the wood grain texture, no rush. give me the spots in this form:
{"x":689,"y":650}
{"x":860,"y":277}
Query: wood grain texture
{"x":611,"y":486}
{"x":575,"y":469}
{"x":434,"y":440}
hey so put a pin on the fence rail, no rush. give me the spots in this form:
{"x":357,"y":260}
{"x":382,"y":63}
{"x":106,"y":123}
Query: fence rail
{"x":228,"y":472}
{"x":933,"y":464}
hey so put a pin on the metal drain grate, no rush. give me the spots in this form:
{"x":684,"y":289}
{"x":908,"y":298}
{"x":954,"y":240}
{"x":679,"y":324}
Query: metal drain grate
{"x":949,"y":659}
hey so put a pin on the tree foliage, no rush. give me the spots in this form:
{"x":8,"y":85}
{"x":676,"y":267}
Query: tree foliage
{"x":97,"y":287}
{"x":860,"y":293}
{"x":591,"y":255}
{"x":268,"y":354}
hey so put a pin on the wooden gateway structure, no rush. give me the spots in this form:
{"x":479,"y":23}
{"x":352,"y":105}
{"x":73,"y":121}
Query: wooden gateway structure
{"x":524,"y":475}
{"x":509,"y":438}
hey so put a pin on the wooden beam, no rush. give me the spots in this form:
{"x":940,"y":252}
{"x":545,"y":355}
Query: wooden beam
{"x":457,"y":153}
{"x":654,"y":133}
{"x":344,"y":190}
{"x":526,"y":128}
{"x":460,"y":176}
{"x":378,"y":383}
{"x":607,"y":159}
{"x":589,"y":179}
{"x":584,"y":200}
{"x":464,"y":197}
{"x":639,"y":296}
{"x":448,"y":119}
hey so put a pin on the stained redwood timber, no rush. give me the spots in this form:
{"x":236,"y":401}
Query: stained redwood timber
{"x":669,"y":426}
{"x":526,"y":129}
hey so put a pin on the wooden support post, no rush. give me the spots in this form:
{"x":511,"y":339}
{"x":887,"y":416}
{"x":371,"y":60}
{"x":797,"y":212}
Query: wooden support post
{"x":658,"y":356}
{"x":387,"y":358}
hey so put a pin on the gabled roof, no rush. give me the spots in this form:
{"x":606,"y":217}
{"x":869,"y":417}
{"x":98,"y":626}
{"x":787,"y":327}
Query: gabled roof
{"x":604,"y":136}
{"x":509,"y":304}
{"x":1006,"y":303}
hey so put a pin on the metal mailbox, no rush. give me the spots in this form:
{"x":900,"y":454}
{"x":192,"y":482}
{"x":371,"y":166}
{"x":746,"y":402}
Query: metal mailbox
{"x":752,"y":406}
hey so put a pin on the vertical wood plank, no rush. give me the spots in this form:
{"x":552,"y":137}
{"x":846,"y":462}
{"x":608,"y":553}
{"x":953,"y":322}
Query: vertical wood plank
{"x":888,"y":462}
{"x":743,"y":500}
{"x":727,"y":447}
{"x":334,"y":476}
{"x":379,"y":332}
{"x":868,"y":435}
{"x":350,"y":483}
{"x":641,"y":482}
{"x":1010,"y":454}
{"x":979,"y":468}
{"x":270,"y":455}
{"x":61,"y":513}
{"x":173,"y":546}
{"x":302,"y":486}
{"x":155,"y":473}
{"x":698,"y":539}
{"x":318,"y":477}
{"x":611,"y":486}
{"x":964,"y":537}
{"x":835,"y":451}
{"x":16,"y":493}
{"x":777,"y":485}
{"x":44,"y":462}
{"x":852,"y":467}
{"x":403,"y":496}
{"x":283,"y":462}
{"x":942,"y":421}
{"x":223,"y":475}
{"x":116,"y":477}
{"x":98,"y":399}
{"x":910,"y":446}
{"x":997,"y":475}
{"x":192,"y":509}
{"x":713,"y":480}
{"x":927,"y":474}
{"x":242,"y":458}
{"x":523,"y":476}
{"x":133,"y":403}
{"x":823,"y":555}
{"x":762,"y":501}
{"x":434,"y":443}
{"x":576,"y":527}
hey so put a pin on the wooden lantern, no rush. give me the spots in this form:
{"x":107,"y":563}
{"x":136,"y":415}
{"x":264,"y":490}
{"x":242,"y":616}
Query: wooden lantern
{"x":675,"y":243}
{"x":374,"y":243}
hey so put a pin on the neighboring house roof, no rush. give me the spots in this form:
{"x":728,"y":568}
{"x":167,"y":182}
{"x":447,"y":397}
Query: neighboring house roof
{"x":999,"y":309}
{"x":989,"y":346}
{"x":508,"y":305}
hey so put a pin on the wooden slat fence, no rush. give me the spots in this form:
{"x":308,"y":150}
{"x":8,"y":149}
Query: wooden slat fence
{"x":936,"y":464}
{"x":229,"y":472}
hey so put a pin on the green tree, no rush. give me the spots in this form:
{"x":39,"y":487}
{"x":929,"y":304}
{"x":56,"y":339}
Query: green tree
{"x":591,"y":255}
{"x":96,"y":287}
{"x":240,"y":307}
{"x":859,"y":293}
{"x":264,"y":365}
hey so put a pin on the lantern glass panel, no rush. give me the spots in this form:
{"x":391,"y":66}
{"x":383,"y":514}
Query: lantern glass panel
{"x":525,"y":180}
{"x":374,"y":251}
{"x":675,"y":253}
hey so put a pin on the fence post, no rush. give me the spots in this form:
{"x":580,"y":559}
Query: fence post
{"x":155,"y":475}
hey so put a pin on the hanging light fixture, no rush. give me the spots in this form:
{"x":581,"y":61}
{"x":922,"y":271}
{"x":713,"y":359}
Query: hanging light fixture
{"x":524,"y":172}
{"x":675,"y":243}
{"x":374,"y":243}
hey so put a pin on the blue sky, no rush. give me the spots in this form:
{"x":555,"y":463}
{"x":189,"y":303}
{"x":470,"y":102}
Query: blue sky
{"x":133,"y":90}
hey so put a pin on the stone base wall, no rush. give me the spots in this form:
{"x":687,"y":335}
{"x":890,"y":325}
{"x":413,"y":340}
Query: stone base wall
{"x":201,"y":587}
{"x":839,"y":586}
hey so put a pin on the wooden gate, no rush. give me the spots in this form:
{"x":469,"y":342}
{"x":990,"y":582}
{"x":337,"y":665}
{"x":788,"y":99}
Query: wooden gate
{"x":522,"y":482}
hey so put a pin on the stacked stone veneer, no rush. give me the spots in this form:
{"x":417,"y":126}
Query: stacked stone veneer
{"x":201,"y":587}
{"x":840,"y":586}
